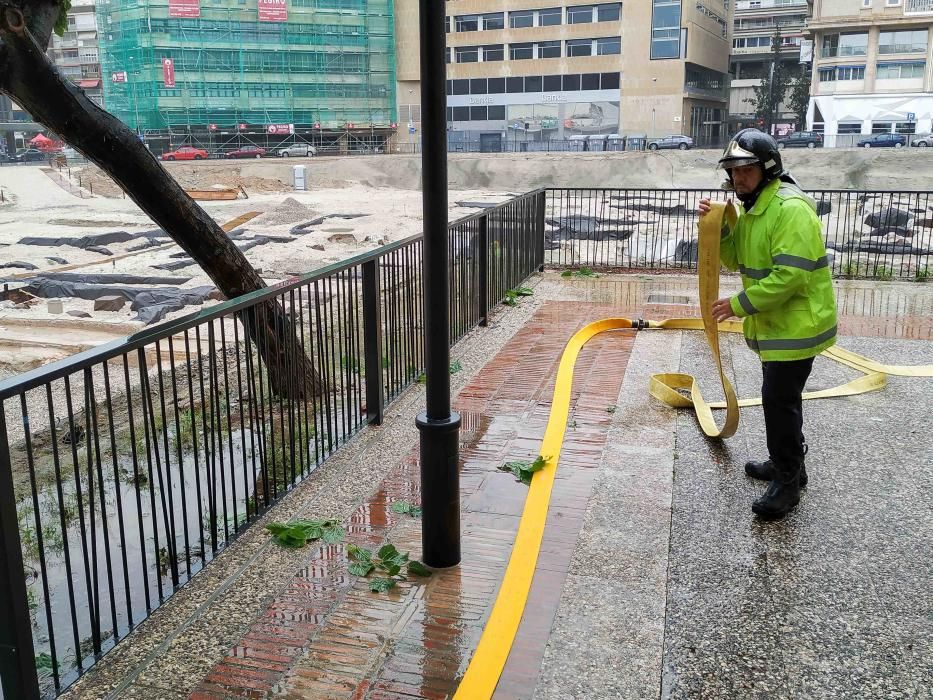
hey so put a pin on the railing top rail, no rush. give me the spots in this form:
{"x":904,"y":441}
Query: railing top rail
{"x":59,"y":369}
{"x":716,"y":188}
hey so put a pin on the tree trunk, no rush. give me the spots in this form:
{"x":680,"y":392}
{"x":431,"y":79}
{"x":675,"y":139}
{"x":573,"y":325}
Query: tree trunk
{"x":28,"y":76}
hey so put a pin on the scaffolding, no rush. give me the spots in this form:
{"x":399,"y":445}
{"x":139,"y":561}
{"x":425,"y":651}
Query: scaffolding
{"x":326,"y":72}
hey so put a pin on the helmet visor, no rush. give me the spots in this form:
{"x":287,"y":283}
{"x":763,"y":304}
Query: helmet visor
{"x":735,"y":156}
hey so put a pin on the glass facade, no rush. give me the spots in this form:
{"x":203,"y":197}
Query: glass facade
{"x":665,"y":29}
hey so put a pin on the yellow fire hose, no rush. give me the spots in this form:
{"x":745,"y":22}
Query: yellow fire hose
{"x":482,"y":675}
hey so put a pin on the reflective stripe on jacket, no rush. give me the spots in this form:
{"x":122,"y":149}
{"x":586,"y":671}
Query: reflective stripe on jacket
{"x":787,"y":302}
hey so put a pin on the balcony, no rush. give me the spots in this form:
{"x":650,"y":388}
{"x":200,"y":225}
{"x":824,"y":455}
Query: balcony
{"x":918,"y":7}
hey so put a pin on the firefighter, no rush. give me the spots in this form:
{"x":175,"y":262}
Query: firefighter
{"x":787,"y":302}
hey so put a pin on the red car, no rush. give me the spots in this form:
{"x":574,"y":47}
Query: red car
{"x":185,"y":153}
{"x":247,"y":152}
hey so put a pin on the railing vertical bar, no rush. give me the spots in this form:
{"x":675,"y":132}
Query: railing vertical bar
{"x":136,"y":483}
{"x":179,"y":453}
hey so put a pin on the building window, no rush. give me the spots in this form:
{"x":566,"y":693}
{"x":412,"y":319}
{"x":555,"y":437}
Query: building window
{"x":467,"y":54}
{"x":461,"y":114}
{"x":665,"y":29}
{"x":478,"y":86}
{"x":468,"y":23}
{"x":579,"y":47}
{"x":901,"y":71}
{"x":881,"y":127}
{"x":571,"y":82}
{"x":849,"y":128}
{"x":548,"y":49}
{"x":533,"y":83}
{"x":608,"y":46}
{"x":478,"y":114}
{"x":589,"y":81}
{"x":609,"y":81}
{"x":493,"y":52}
{"x":866,"y":3}
{"x":552,"y":83}
{"x":447,"y":53}
{"x":608,"y":13}
{"x":521,"y":52}
{"x":850,"y":73}
{"x":580,"y":14}
{"x":905,"y":128}
{"x":513,"y":85}
{"x":447,"y":24}
{"x":495,"y":20}
{"x":460,"y":87}
{"x":496,"y":86}
{"x":845,"y":45}
{"x":903,"y":42}
{"x":521,"y":19}
{"x":550,"y":17}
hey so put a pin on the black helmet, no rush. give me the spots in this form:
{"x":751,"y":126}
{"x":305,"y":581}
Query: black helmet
{"x":751,"y":146}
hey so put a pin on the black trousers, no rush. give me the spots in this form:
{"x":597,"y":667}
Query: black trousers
{"x":781,"y":390}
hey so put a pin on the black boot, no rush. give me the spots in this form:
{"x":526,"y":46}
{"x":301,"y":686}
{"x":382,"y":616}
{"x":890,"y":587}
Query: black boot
{"x":765,"y":471}
{"x":781,"y":498}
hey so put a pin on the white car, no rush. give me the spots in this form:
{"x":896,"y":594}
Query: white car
{"x":297,"y":150}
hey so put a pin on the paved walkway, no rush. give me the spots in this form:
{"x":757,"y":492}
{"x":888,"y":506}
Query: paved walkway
{"x":654,"y":579}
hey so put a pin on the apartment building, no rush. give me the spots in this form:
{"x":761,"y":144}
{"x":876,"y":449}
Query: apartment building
{"x":536,"y":70}
{"x":76,"y":52}
{"x":754,"y":27}
{"x":872,"y":68}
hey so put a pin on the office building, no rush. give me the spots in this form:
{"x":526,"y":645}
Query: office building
{"x":76,"y":52}
{"x":539,"y":70}
{"x":871,"y":68}
{"x":754,"y":28}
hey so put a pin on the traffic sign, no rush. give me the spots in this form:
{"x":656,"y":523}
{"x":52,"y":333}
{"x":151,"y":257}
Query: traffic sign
{"x":911,"y":116}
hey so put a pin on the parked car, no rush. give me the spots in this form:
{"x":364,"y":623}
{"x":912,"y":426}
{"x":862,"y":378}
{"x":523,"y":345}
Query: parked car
{"x":297,"y":150}
{"x":185,"y":153}
{"x":247,"y":152}
{"x":678,"y":141}
{"x":925,"y":141}
{"x":883,"y":141}
{"x":801,"y":139}
{"x":32,"y":155}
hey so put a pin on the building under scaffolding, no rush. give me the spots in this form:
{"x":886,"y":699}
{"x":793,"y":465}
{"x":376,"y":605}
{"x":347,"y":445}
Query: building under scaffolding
{"x":220,"y":73}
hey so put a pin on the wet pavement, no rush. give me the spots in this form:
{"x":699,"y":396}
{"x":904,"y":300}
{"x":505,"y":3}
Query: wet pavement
{"x":654,"y":579}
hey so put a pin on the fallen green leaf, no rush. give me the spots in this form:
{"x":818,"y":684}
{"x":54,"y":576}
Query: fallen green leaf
{"x":381,"y":585}
{"x":416,"y":568}
{"x":361,"y":568}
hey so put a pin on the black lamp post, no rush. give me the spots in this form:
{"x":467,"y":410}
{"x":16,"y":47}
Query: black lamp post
{"x":438,"y":425}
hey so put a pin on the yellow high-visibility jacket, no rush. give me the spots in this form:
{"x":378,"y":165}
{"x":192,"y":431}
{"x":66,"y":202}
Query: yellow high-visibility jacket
{"x":787,"y":304}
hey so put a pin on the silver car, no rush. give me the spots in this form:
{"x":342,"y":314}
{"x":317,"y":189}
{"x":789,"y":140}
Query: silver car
{"x":297,"y":150}
{"x":922,"y":141}
{"x":677,"y":141}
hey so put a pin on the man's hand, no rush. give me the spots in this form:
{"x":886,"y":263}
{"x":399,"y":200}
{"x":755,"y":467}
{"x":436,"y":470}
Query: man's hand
{"x":704,"y":206}
{"x":722,"y":310}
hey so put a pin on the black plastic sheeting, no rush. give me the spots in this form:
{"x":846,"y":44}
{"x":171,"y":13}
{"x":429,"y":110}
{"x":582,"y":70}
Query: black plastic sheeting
{"x":300,"y":229}
{"x":112,"y":278}
{"x":864,"y":246}
{"x":151,"y":304}
{"x":85,"y":242}
{"x":244,"y":245}
{"x":888,"y":217}
{"x":584,"y":228}
{"x":19,"y":264}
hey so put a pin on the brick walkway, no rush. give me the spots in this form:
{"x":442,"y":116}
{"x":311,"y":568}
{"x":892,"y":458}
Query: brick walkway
{"x":327,"y":636}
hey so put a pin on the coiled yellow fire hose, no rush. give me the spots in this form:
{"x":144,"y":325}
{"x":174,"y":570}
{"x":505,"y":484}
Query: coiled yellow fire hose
{"x":677,"y":390}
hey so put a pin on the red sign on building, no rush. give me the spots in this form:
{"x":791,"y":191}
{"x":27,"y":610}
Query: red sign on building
{"x":168,"y":72}
{"x":184,"y":8}
{"x":280,"y":129}
{"x":118,"y":76}
{"x":273,"y":11}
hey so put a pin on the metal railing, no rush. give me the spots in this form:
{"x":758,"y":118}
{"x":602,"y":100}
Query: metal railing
{"x":871,"y":234}
{"x":126,"y":469}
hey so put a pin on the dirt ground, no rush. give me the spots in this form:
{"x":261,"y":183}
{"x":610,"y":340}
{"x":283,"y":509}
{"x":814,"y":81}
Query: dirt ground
{"x":381,"y":193}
